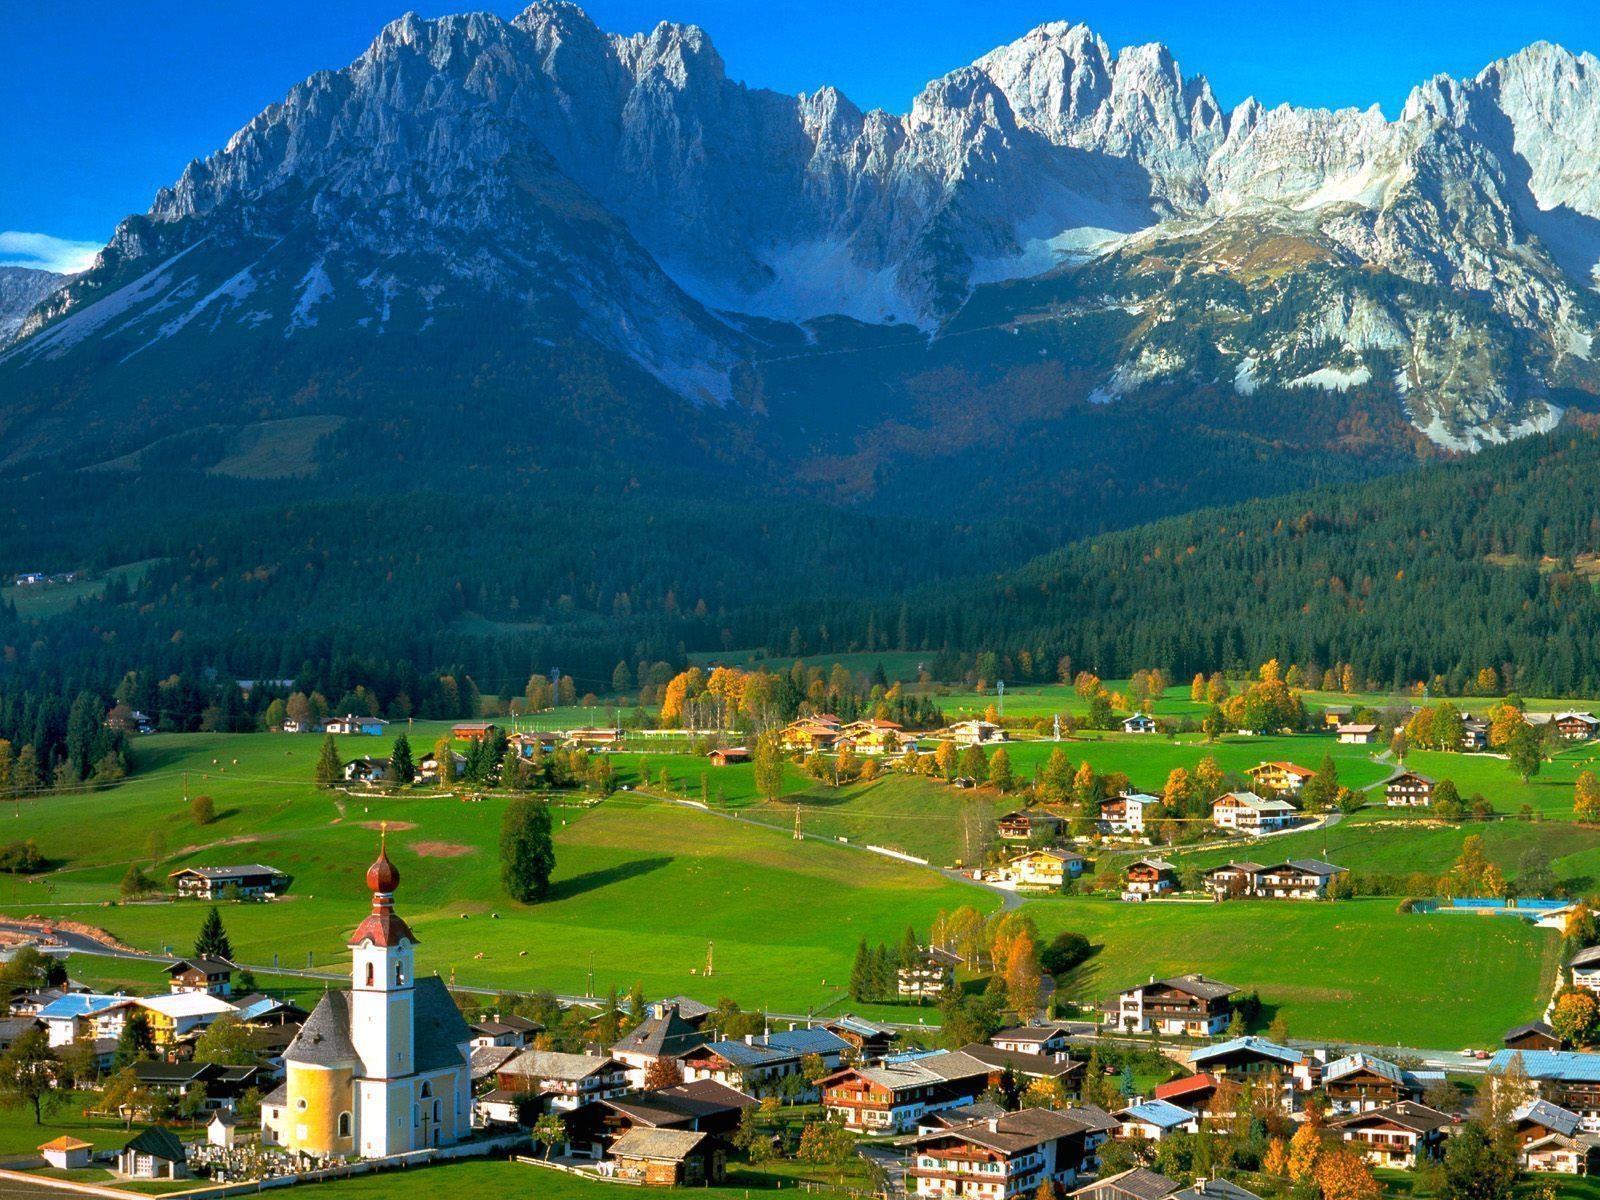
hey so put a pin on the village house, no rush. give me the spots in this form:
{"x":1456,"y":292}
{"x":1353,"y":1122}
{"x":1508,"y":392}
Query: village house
{"x":1046,"y":868}
{"x":428,"y":767}
{"x":1335,"y":715}
{"x":222,"y":1085}
{"x":1585,"y":968}
{"x":213,"y":883}
{"x":557,"y":1082}
{"x":1253,"y":1058}
{"x":1125,"y":814}
{"x":1296,"y":879}
{"x":66,"y":1153}
{"x":511,"y":1031}
{"x":366,"y":770}
{"x":875,"y":737}
{"x":1027,"y":1066}
{"x":1137,"y":1183}
{"x":670,"y":1157}
{"x":1139,"y":723}
{"x":702,"y":1107}
{"x":1358,"y":734}
{"x":1409,"y":789}
{"x":930,"y":978}
{"x":1474,"y":734}
{"x":1021,"y":826}
{"x":973,"y":733}
{"x":1153,"y":1120}
{"x":266,"y":1011}
{"x":758,"y":1065}
{"x":1359,"y":1082}
{"x":1535,"y":1035}
{"x":1402,"y":1135}
{"x":1197,"y":1093}
{"x":1008,"y":1156}
{"x":1251,"y":814}
{"x":1576,"y":726}
{"x":471,"y":731}
{"x":1037,"y":1039}
{"x":352,"y":726}
{"x":894,"y":1096}
{"x":869,"y":1040}
{"x":1565,"y":1078}
{"x":1185,"y":1005}
{"x":809,"y":734}
{"x":1148,"y":877}
{"x":663,"y":1035}
{"x":174,"y":1017}
{"x":1280,"y":777}
{"x":1232,"y":880}
{"x":729,"y":756}
{"x":1552,"y":1139}
{"x":212,"y":976}
{"x":84,"y":1016}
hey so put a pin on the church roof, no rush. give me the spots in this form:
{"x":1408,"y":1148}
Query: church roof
{"x":441,"y":1030}
{"x":324,"y":1040}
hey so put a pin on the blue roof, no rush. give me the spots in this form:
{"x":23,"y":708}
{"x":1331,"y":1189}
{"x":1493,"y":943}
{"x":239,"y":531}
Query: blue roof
{"x":1161,"y":1113}
{"x":80,"y":1004}
{"x":808,"y":1041}
{"x":1552,"y":1064}
{"x":1247,"y":1045}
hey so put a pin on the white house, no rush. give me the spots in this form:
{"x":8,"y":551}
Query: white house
{"x":1249,"y":813}
{"x":1126,"y":813}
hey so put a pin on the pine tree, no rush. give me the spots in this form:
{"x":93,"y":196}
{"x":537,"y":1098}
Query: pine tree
{"x":330,"y":768}
{"x":910,"y":949}
{"x":861,"y":973}
{"x":400,"y":764}
{"x":527,"y":850}
{"x":213,"y":941}
{"x":135,"y":1043}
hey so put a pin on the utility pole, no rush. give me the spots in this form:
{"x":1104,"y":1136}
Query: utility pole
{"x":1058,"y":727}
{"x":186,"y":787}
{"x":798,"y":836}
{"x":1000,"y":688}
{"x":709,"y":947}
{"x":590,"y":989}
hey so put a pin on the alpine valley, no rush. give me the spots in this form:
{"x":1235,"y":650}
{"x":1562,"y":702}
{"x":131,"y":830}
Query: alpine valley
{"x":530,"y":276}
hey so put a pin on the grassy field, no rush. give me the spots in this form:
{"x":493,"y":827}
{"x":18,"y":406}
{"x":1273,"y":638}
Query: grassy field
{"x":49,"y":600}
{"x":1357,"y":971}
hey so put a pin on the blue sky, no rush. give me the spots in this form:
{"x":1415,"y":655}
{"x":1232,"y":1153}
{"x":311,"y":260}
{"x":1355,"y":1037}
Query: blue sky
{"x":104,"y":102}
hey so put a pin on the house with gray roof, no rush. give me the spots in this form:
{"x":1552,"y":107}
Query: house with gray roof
{"x":663,"y":1035}
{"x":1010,"y":1155}
{"x":1552,"y":1139}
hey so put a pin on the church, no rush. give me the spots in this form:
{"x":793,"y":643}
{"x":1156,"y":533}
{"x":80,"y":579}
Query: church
{"x":382,"y":1068}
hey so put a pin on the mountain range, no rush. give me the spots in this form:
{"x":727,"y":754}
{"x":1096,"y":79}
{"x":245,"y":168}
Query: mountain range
{"x":1066,"y":292}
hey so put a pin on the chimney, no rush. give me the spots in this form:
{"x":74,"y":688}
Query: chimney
{"x":749,"y":1039}
{"x":994,"y":1124}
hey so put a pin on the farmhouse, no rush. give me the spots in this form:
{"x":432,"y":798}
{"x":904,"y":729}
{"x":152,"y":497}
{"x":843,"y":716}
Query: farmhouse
{"x":84,"y":1016}
{"x":561,"y":1081}
{"x":1296,"y":879}
{"x":212,"y":883}
{"x":1359,"y":1082}
{"x":930,"y":978}
{"x":1233,"y":879}
{"x":1009,"y":1156}
{"x":1024,"y":826}
{"x":1551,"y":1138}
{"x":509,"y":1032}
{"x":1187,"y":1005}
{"x":176,"y":1016}
{"x":428,"y":767}
{"x":1149,"y":877}
{"x":1026,"y":1066}
{"x":893,"y":1097}
{"x":353,"y":725}
{"x":1139,"y":723}
{"x":1535,"y":1035}
{"x":870,"y":1040}
{"x":1252,"y":1057}
{"x":704,"y":1107}
{"x":973,"y":733}
{"x":1047,"y":868}
{"x":1474,"y":734}
{"x":810,"y":733}
{"x":1135,"y":1184}
{"x":208,"y":975}
{"x":1400,"y":1135}
{"x":366,"y":770}
{"x":875,"y":737}
{"x":663,"y":1035}
{"x":1193,"y":1092}
{"x":1154,"y":1120}
{"x":1250,"y":814}
{"x":1409,"y":789}
{"x":1576,"y":726}
{"x":1284,"y":777}
{"x":471,"y":731}
{"x":1563,"y":1077}
{"x":757,"y":1066}
{"x":1037,"y":1039}
{"x":670,"y":1157}
{"x":1585,"y":967}
{"x":1126,"y":813}
{"x":1358,"y":735}
{"x":729,"y":756}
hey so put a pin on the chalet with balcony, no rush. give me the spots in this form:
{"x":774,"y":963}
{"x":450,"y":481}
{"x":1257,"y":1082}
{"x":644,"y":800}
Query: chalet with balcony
{"x":809,"y":734}
{"x":703,"y":1107}
{"x":1037,"y":1039}
{"x":208,"y":976}
{"x":758,"y":1065}
{"x":729,"y":756}
{"x":1139,"y":723}
{"x":1154,"y":1120}
{"x":930,"y":978}
{"x":894,"y":1096}
{"x":1008,"y":1156}
{"x":1409,"y":789}
{"x":1253,"y":1058}
{"x":1046,"y":868}
{"x":553,"y":1082}
{"x":1023,"y":826}
{"x":1027,"y":1067}
{"x":869,"y":1040}
{"x":1283,"y":778}
{"x":1249,"y":813}
{"x":213,"y":883}
{"x":1183,"y":1006}
{"x":1576,"y":726}
{"x":1197,"y":1093}
{"x":1359,"y":1082}
{"x":1149,"y":877}
{"x":876,"y":737}
{"x":1233,"y":880}
{"x":1296,"y":879}
{"x":973,"y":733}
{"x":1552,"y":1139}
{"x":1125,"y":814}
{"x":1565,"y":1078}
{"x":661,"y":1035}
{"x":1402,"y":1135}
{"x":1585,"y":969}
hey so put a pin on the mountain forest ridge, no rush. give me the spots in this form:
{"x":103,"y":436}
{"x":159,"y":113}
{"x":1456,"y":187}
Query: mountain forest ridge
{"x":622,"y":188}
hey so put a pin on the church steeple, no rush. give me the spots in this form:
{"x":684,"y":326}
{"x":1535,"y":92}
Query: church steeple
{"x":382,"y":927}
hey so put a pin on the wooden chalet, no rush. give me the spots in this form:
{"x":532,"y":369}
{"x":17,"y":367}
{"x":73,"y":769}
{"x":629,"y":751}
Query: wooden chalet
{"x":1409,"y":789}
{"x":730,"y":756}
{"x":869,"y":1040}
{"x":209,"y":976}
{"x":1281,"y":777}
{"x":1535,"y":1035}
{"x":1358,"y":734}
{"x":1184,"y":1005}
{"x":1359,"y":1082}
{"x":1402,"y":1135}
{"x":893,"y":1097}
{"x":1009,"y":1156}
{"x":1197,"y":1093}
{"x":809,"y":734}
{"x":1046,"y":868}
{"x":1252,"y":814}
{"x":1022,"y":826}
{"x":1026,"y":1066}
{"x":1297,"y":879}
{"x":1149,"y":877}
{"x":1565,"y":1078}
{"x":1585,"y":969}
{"x":702,"y":1107}
{"x":1250,"y":1058}
{"x":213,"y":883}
{"x":1125,"y":814}
{"x":471,"y":731}
{"x":1552,"y":1139}
{"x":670,"y":1158}
{"x":1053,"y":1038}
{"x":556,"y":1082}
{"x":1577,"y":726}
{"x":1233,"y":880}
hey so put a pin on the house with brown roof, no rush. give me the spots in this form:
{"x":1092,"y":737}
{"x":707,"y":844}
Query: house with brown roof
{"x":1148,"y":877}
{"x":1359,"y":1082}
{"x":1023,"y":826}
{"x":1357,"y":734}
{"x":1281,"y":777}
{"x":729,"y":756}
{"x":1008,"y":1156}
{"x":1402,"y":1135}
{"x":894,"y":1096}
{"x":1552,"y":1139}
{"x":1296,"y":879}
{"x":1125,"y":814}
{"x":1181,"y":1006}
{"x":1250,"y":814}
{"x":1046,"y":868}
{"x":1409,"y":789}
{"x":1535,"y":1035}
{"x":545,"y":1079}
{"x":704,"y":1106}
{"x":670,"y":1158}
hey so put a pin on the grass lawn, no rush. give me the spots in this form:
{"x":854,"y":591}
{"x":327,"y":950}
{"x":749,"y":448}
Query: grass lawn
{"x":1355,"y":970}
{"x":19,"y":1135}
